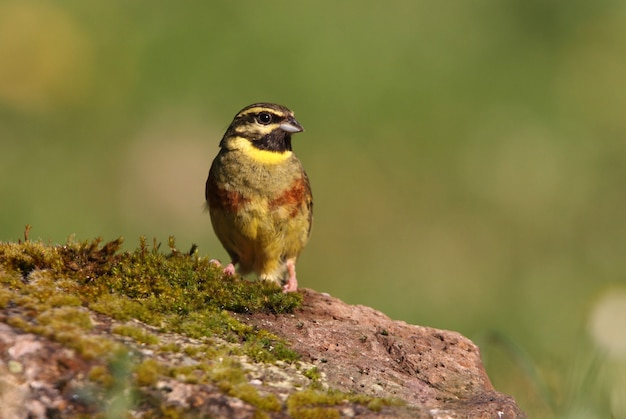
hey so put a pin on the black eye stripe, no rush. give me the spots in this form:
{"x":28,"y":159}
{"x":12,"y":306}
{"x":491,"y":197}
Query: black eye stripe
{"x":244,"y":125}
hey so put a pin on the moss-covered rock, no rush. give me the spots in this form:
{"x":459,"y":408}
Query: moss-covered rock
{"x":149,"y":331}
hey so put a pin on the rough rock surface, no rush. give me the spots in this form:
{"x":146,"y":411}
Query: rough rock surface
{"x":435,"y":373}
{"x":361,"y":350}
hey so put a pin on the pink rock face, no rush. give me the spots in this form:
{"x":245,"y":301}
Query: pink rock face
{"x":436,"y":372}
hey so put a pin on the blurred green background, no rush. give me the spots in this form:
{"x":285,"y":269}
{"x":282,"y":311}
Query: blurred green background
{"x":468,"y":159}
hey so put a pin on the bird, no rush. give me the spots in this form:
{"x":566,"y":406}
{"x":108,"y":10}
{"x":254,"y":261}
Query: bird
{"x":259,"y":197}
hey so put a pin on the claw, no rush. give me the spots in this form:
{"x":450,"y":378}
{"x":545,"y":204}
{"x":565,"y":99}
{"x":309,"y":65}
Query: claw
{"x":228,"y":270}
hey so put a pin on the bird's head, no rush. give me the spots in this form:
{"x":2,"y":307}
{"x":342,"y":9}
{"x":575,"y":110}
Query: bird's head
{"x":266,"y":126}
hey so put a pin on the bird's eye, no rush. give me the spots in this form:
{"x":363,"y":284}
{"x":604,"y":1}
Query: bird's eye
{"x":264,"y":118}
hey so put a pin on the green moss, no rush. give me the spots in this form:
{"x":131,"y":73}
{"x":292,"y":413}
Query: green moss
{"x":169,"y":347}
{"x":248,"y":393}
{"x":137,"y":333}
{"x":64,"y":300}
{"x":313,"y":403}
{"x":231,"y":379}
{"x":147,"y":372}
{"x":100,"y":375}
{"x":18,"y":322}
{"x":266,"y":347}
{"x":376,"y":404}
{"x":67,"y":318}
{"x":312,"y":412}
{"x":213,"y":351}
{"x":90,"y":347}
{"x":312,"y":374}
{"x":227,"y":371}
{"x":176,"y":292}
{"x":259,"y":414}
{"x":120,"y":308}
{"x":170,"y":412}
{"x":5,"y":297}
{"x":28,"y":256}
{"x":195,"y":350}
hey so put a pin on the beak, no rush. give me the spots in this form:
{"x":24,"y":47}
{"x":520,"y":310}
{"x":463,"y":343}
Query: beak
{"x":291,"y":126}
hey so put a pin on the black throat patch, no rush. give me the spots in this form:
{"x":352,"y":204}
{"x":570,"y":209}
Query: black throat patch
{"x":277,"y":140}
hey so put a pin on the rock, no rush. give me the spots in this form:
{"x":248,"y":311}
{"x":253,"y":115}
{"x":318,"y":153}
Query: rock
{"x":348,"y":348}
{"x":360,"y":350}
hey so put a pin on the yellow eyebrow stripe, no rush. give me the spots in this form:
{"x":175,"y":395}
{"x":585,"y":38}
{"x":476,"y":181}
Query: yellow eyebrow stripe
{"x":261,"y":156}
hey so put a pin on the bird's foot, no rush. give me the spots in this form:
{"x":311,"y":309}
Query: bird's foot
{"x":292,"y":283}
{"x":228,"y":270}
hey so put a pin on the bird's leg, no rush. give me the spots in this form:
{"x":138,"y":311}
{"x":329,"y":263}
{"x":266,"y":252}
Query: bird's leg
{"x":292,"y":283}
{"x":228,"y":270}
